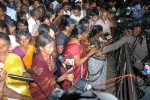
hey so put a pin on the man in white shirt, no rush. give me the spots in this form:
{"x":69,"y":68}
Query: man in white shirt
{"x":12,"y":13}
{"x":33,"y":21}
{"x":77,"y":14}
{"x":65,"y":7}
{"x":7,"y":11}
{"x":55,"y":4}
{"x":106,"y":22}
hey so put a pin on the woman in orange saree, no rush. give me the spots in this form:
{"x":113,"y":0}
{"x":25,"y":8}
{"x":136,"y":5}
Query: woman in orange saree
{"x":25,"y":50}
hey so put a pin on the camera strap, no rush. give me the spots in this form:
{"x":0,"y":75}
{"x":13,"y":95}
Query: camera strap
{"x":137,"y":40}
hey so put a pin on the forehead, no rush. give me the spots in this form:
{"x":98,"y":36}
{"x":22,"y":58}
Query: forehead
{"x":104,"y":13}
{"x":3,"y":42}
{"x":1,"y":9}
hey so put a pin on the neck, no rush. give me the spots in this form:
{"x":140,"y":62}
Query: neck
{"x":66,"y":32}
{"x":45,"y":55}
{"x":34,"y":18}
{"x":2,"y":17}
{"x":3,"y":57}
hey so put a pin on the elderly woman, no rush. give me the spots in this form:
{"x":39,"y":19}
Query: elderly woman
{"x":77,"y":50}
{"x":44,"y":63}
{"x":13,"y":65}
{"x":97,"y":66}
{"x":25,"y":50}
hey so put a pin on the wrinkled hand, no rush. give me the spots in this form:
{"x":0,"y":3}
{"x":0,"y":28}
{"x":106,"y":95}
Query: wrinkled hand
{"x":3,"y":76}
{"x":37,"y":70}
{"x":92,"y":51}
{"x":98,"y":53}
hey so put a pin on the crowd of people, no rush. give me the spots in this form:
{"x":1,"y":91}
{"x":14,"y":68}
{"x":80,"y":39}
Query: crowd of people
{"x":35,"y":33}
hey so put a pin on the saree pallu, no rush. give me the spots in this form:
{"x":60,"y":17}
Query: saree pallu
{"x":14,"y":65}
{"x":43,"y":85}
{"x":26,"y":57}
{"x":73,"y":49}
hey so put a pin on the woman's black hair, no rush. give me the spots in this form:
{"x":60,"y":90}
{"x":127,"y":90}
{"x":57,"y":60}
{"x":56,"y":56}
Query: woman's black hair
{"x":43,"y":40}
{"x":11,"y":22}
{"x":50,"y":12}
{"x":58,"y":10}
{"x":63,"y":19}
{"x":22,"y":21}
{"x":5,"y":37}
{"x":65,"y":4}
{"x":43,"y":29}
{"x":84,"y":21}
{"x":44,"y":18}
{"x":22,"y":32}
{"x":79,"y":29}
{"x":94,"y":12}
{"x":95,"y":30}
{"x":67,"y":23}
{"x":20,"y":14}
{"x":3,"y":25}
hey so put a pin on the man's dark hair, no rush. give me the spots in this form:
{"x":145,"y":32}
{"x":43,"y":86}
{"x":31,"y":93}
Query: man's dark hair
{"x":94,"y":12}
{"x":77,"y":7}
{"x":20,"y":14}
{"x":2,"y":6}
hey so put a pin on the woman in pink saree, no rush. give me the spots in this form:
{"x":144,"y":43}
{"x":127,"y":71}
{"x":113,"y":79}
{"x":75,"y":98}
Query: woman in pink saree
{"x":76,"y":48}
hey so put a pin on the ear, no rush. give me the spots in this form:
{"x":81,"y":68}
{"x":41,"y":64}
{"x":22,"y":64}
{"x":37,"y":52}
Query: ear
{"x":10,"y":48}
{"x":40,"y":48}
{"x":91,"y":17}
{"x":67,"y":27}
{"x":139,"y":28}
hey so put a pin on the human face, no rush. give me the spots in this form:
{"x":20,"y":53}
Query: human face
{"x":100,"y":34}
{"x":3,"y":30}
{"x":70,"y":28}
{"x":18,"y":4}
{"x":24,"y":8}
{"x":41,"y":11}
{"x":48,"y":49}
{"x":104,"y":16}
{"x":87,"y":6}
{"x":85,"y":35}
{"x":94,"y":18}
{"x":24,"y":41}
{"x":36,"y":4}
{"x":21,"y":26}
{"x":2,"y":13}
{"x":12,"y":29}
{"x":4,"y":47}
{"x":51,"y":6}
{"x":66,"y":8}
{"x":11,"y":1}
{"x":94,"y":5}
{"x":77,"y":13}
{"x":24,"y":17}
{"x":46,"y":21}
{"x":61,"y":13}
{"x":136,"y":31}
